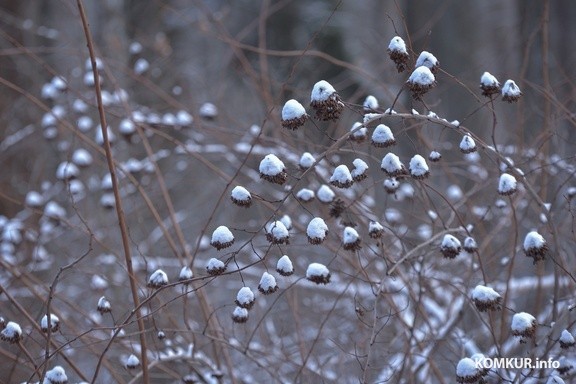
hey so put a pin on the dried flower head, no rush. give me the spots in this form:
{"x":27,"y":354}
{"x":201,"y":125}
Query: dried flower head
{"x":157,"y":279}
{"x":392,"y":165}
{"x":325,"y":101}
{"x":267,"y":284}
{"x":277,"y":233}
{"x":316,"y":231}
{"x":132,"y":362}
{"x":56,"y":375}
{"x":375,"y":229}
{"x":467,"y":371}
{"x":391,"y":185}
{"x":272,"y":169}
{"x":535,"y":246}
{"x":510,"y":91}
{"x":486,"y":298}
{"x":358,"y":132}
{"x":467,"y":144}
{"x":215,"y":267}
{"x":341,"y":178}
{"x":306,"y":161}
{"x":293,"y":115}
{"x":566,"y":339}
{"x":428,"y":60}
{"x":450,"y":246}
{"x":185,"y":275}
{"x":383,"y":136}
{"x":284,"y":266}
{"x":523,"y":325}
{"x":305,"y":195}
{"x":434,"y":156}
{"x":489,"y":84}
{"x":418,"y":167}
{"x":222,"y":237}
{"x":241,"y":197}
{"x":325,"y":194}
{"x":370,"y":104}
{"x":350,"y":239}
{"x":470,"y":245}
{"x":359,"y":171}
{"x":54,"y":323}
{"x":565,"y":365}
{"x":245,"y":298}
{"x":240,"y":315}
{"x":337,"y":208}
{"x":507,"y":184}
{"x":104,"y":305}
{"x":318,"y":273}
{"x":398,"y":53}
{"x":421,"y":81}
{"x":11,"y":333}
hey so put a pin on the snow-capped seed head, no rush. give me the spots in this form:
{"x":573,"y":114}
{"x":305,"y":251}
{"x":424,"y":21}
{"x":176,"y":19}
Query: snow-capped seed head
{"x":565,"y":365}
{"x":132,"y":362}
{"x":392,"y":165}
{"x":434,"y":156}
{"x":318,"y":273}
{"x":305,"y":195}
{"x":54,"y":323}
{"x":467,"y":371}
{"x":107,"y":200}
{"x":161,"y":335}
{"x":104,"y":305}
{"x":398,"y":53}
{"x":507,"y":184}
{"x":245,"y":298}
{"x":277,"y":233}
{"x":127,"y":128}
{"x":240,"y":315}
{"x":56,"y":375}
{"x":350,"y":239}
{"x":510,"y":91}
{"x":293,"y":115}
{"x":523,"y":325}
{"x":391,"y":185}
{"x":11,"y":333}
{"x":67,"y":171}
{"x":222,"y":237}
{"x":428,"y":60}
{"x":467,"y":144}
{"x":157,"y":279}
{"x":341,"y":178}
{"x":566,"y":339}
{"x":267,"y":284}
{"x":325,"y":194}
{"x":272,"y":169}
{"x":316,"y":230}
{"x":489,"y":84}
{"x":208,"y":111}
{"x":325,"y":101}
{"x":486,"y":298}
{"x":306,"y":161}
{"x":284,"y":266}
{"x":470,"y":245}
{"x":535,"y":246}
{"x":375,"y":229}
{"x":450,"y":246}
{"x":34,"y":199}
{"x":383,"y":136}
{"x":418,"y":167}
{"x":215,"y":267}
{"x":287,"y":221}
{"x":370,"y":104}
{"x":420,"y":81}
{"x":241,"y":196}
{"x":185,"y":274}
{"x":554,"y":379}
{"x":359,"y":171}
{"x":358,"y":132}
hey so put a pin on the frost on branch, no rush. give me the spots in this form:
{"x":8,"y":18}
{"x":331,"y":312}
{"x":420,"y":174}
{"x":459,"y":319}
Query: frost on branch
{"x":370,"y":104}
{"x":350,"y":239}
{"x":398,"y":53}
{"x":523,"y":325}
{"x":359,"y":171}
{"x":375,"y":229}
{"x":418,"y":167}
{"x":215,"y":267}
{"x":566,"y":339}
{"x":467,"y":372}
{"x":293,"y":115}
{"x":316,"y":231}
{"x":450,"y":246}
{"x":54,"y":323}
{"x":421,"y":81}
{"x":507,"y":184}
{"x":358,"y":132}
{"x":383,"y":136}
{"x":535,"y":246}
{"x":510,"y":91}
{"x":245,"y":298}
{"x":341,"y":178}
{"x":428,"y":60}
{"x":240,"y":315}
{"x":276,"y":233}
{"x":267,"y":284}
{"x":325,"y":101}
{"x":11,"y":333}
{"x":486,"y":298}
{"x":56,"y":375}
{"x":158,"y":279}
{"x":318,"y":273}
{"x":467,"y":144}
{"x":392,"y":165}
{"x":272,"y":169}
{"x":489,"y":84}
{"x":222,"y":237}
{"x":284,"y":266}
{"x":241,"y":197}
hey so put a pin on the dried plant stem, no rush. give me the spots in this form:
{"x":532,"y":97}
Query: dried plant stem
{"x":118,"y":201}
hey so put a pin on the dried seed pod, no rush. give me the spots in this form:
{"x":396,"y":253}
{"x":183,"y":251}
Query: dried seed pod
{"x":428,"y":60}
{"x":383,"y":137}
{"x":215,"y":267}
{"x":272,"y":169}
{"x":222,"y":237}
{"x":418,"y":167}
{"x":54,"y":323}
{"x":566,"y":339}
{"x":523,"y":325}
{"x":467,"y":144}
{"x":486,"y":298}
{"x":241,"y":197}
{"x":507,"y":184}
{"x":510,"y":91}
{"x":267,"y":284}
{"x":245,"y":298}
{"x":421,"y":81}
{"x":351,"y":239}
{"x":325,"y":101}
{"x":316,"y":231}
{"x":450,"y":246}
{"x":56,"y":375}
{"x":157,"y":279}
{"x":284,"y":266}
{"x":276,"y":233}
{"x":240,"y":315}
{"x":293,"y":115}
{"x":375,"y":229}
{"x":535,"y":246}
{"x":392,"y":165}
{"x":342,"y":178}
{"x":11,"y":333}
{"x":467,"y":371}
{"x":489,"y":84}
{"x":318,"y":273}
{"x":398,"y":53}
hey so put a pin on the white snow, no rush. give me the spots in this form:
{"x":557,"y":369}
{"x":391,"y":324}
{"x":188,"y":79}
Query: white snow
{"x":284,"y":265}
{"x":34,"y":199}
{"x":567,"y":338}
{"x":305,"y":194}
{"x":375,"y":226}
{"x":141,"y":65}
{"x":418,"y":166}
{"x":322,"y":91}
{"x":370,"y":103}
{"x":56,"y":375}
{"x":240,"y":313}
{"x":522,"y":321}
{"x":341,"y":175}
{"x":54,"y":211}
{"x":325,"y":194}
{"x":82,"y":157}
{"x":427,"y":60}
{"x":488,"y":80}
{"x":135,"y":48}
{"x":84,"y":123}
{"x":132,"y":362}
{"x":533,"y":240}
{"x":484,"y":294}
{"x":391,"y":164}
{"x":11,"y":332}
{"x":271,"y":165}
{"x":397,"y":44}
{"x":158,"y":278}
{"x":358,"y":130}
{"x":245,"y":296}
{"x":277,"y":230}
{"x":510,"y":89}
{"x":470,"y":243}
{"x":316,"y":270}
{"x":467,"y":144}
{"x":287,"y":221}
{"x":107,"y":200}
{"x":104,"y":305}
{"x":222,"y":235}
{"x":317,"y":229}
{"x":350,"y":236}
{"x":422,"y":76}
{"x":506,"y":184}
{"x":391,"y":185}
{"x":240,"y":193}
{"x":434,"y":156}
{"x":98,"y":282}
{"x":185,"y":273}
{"x":59,"y":83}
{"x":383,"y":135}
{"x":215,"y":264}
{"x":466,"y":368}
{"x":450,"y":242}
{"x":54,"y":323}
{"x":184,"y":118}
{"x":267,"y":282}
{"x":360,"y":168}
{"x":126,"y":127}
{"x":67,"y":170}
{"x":307,"y":160}
{"x":292,"y":110}
{"x":208,"y":110}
